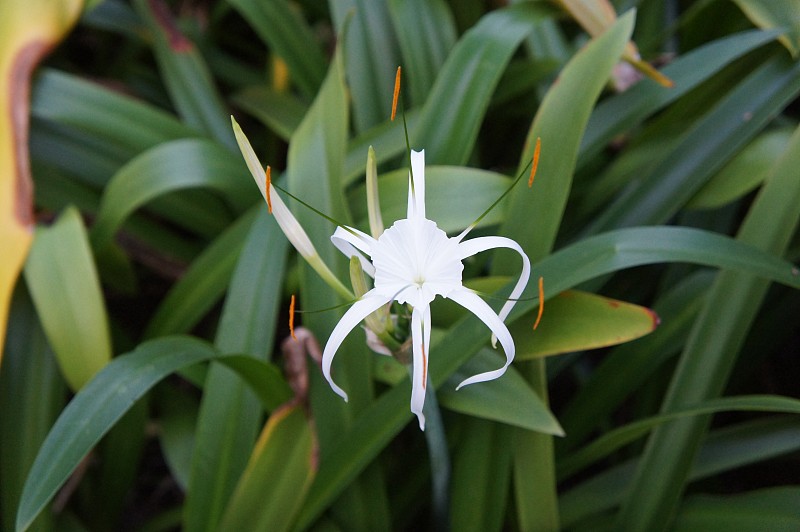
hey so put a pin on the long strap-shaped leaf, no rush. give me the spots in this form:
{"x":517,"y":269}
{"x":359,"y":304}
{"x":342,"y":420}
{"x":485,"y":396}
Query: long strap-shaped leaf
{"x":452,"y":115}
{"x":712,"y":350}
{"x":107,"y":397}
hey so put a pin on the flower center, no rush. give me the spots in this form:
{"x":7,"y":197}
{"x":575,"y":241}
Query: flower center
{"x":416,"y":256}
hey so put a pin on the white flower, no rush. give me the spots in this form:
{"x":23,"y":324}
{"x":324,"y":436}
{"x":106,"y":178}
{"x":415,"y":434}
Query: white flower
{"x":412,"y":262}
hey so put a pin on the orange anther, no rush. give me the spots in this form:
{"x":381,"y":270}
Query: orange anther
{"x":396,"y":92}
{"x":268,"y":187}
{"x":541,"y":303}
{"x":535,"y":161}
{"x":291,"y":318}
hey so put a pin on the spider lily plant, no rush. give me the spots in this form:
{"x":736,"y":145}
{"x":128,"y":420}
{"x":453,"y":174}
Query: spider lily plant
{"x":411,"y":262}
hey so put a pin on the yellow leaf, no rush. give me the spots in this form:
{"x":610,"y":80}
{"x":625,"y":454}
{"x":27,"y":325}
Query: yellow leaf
{"x":28,"y":30}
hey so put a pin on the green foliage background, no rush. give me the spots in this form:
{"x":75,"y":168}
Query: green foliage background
{"x":142,"y":386}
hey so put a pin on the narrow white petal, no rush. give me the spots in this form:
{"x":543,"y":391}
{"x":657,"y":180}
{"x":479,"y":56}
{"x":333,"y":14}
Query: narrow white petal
{"x":478,"y":306}
{"x":476,"y":245}
{"x":360,"y":310}
{"x":250,"y":157}
{"x":355,"y":245}
{"x":420,"y":338}
{"x":416,"y":200}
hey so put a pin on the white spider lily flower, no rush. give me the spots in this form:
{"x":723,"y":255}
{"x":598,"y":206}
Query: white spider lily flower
{"x":286,"y":220}
{"x":412,"y":262}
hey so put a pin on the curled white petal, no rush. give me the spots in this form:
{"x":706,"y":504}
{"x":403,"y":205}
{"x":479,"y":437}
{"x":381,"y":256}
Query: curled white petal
{"x":354,"y":243}
{"x":421,"y":338}
{"x":476,"y":245}
{"x":476,"y":305}
{"x":360,"y":310}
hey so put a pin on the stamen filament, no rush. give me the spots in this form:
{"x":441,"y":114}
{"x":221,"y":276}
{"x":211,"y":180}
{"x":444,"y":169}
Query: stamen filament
{"x":396,"y":93}
{"x":269,"y":186}
{"x":541,"y":303}
{"x":291,"y":318}
{"x":535,"y":160}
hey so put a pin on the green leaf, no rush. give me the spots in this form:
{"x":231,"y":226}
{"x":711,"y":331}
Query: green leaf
{"x":724,"y":450}
{"x":282,"y":113}
{"x":773,"y":509}
{"x":289,"y":37}
{"x":628,"y":367}
{"x":65,"y":288}
{"x":201,"y":286}
{"x":165,"y":168}
{"x":282,"y":465}
{"x":617,"y":438}
{"x":426,"y":32}
{"x":186,"y":75}
{"x":576,"y":321}
{"x":701,"y":151}
{"x":560,"y":123}
{"x":705,"y":364}
{"x":481,"y":473}
{"x":95,"y":409}
{"x":97,"y":111}
{"x":230,"y":415}
{"x":623,"y":111}
{"x":782,"y":14}
{"x":508,"y":400}
{"x":32,"y":394}
{"x":744,"y":172}
{"x":370,"y":57}
{"x":451,"y":117}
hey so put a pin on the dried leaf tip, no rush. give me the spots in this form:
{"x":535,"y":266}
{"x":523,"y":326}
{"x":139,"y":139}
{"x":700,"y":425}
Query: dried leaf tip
{"x":268,"y":188}
{"x":541,"y":303}
{"x":535,"y":163}
{"x":396,"y":92}
{"x":291,"y":317}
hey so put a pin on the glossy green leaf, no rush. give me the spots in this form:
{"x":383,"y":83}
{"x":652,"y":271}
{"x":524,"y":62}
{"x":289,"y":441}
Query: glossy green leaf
{"x":618,"y":113}
{"x":629,"y":366}
{"x":370,"y":57}
{"x":712,"y":350}
{"x":281,"y":467}
{"x":426,"y":32}
{"x":481,"y":472}
{"x":773,"y":509}
{"x":282,"y":113}
{"x":65,"y":288}
{"x":560,"y":123}
{"x":451,"y":117}
{"x":188,"y":80}
{"x":289,"y":37}
{"x":782,"y":14}
{"x":508,"y":400}
{"x":744,"y":173}
{"x":69,"y":100}
{"x":95,"y":409}
{"x":702,"y":150}
{"x":617,"y":438}
{"x":168,"y":167}
{"x":203,"y":283}
{"x":576,"y":321}
{"x":724,"y":450}
{"x":230,"y":415}
{"x":32,"y":394}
